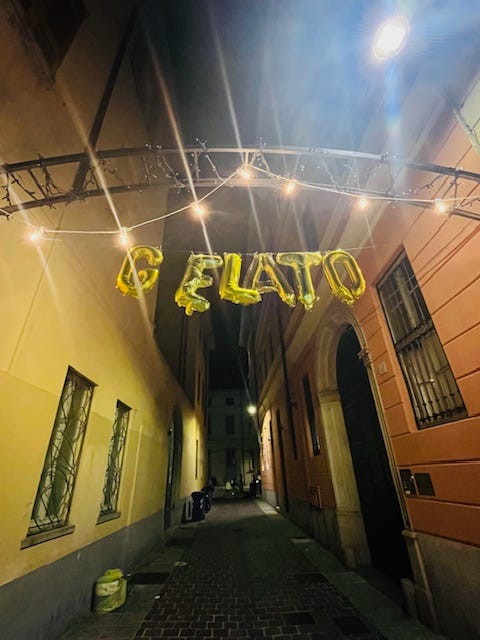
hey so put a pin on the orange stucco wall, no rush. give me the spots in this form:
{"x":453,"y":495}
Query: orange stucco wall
{"x":444,"y":253}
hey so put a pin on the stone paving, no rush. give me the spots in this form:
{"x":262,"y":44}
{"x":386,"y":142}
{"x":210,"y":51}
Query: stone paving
{"x":242,"y":574}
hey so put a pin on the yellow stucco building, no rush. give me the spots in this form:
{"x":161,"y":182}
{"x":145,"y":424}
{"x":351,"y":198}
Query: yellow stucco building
{"x":101,"y":444}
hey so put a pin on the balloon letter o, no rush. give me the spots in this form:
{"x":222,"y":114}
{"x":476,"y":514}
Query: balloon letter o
{"x":348,"y":295}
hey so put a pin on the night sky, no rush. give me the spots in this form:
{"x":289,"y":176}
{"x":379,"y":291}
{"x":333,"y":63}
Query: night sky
{"x":285,"y":72}
{"x":241,"y":71}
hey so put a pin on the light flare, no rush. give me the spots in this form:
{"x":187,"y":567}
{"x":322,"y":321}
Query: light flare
{"x":390,"y":37}
{"x":289,"y":187}
{"x":362,"y":203}
{"x":440,"y":206}
{"x":37,"y":234}
{"x":198,"y":209}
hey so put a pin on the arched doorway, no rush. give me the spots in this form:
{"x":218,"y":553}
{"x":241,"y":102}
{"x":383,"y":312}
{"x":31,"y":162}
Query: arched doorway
{"x":175,"y":442}
{"x":378,"y":499}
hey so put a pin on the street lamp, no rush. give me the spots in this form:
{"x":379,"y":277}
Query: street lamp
{"x":390,"y":37}
{"x":252,"y":410}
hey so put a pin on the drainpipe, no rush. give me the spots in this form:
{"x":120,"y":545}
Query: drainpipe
{"x":288,"y":394}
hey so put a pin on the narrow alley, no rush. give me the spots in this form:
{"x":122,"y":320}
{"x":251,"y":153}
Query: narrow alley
{"x":239,"y":251}
{"x":247,"y":572}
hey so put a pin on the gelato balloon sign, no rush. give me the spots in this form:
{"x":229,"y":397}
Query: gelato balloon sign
{"x":264,"y":274}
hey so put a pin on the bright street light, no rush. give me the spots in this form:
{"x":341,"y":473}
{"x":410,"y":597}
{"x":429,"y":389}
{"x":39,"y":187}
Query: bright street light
{"x":390,"y":37}
{"x":251,"y":410}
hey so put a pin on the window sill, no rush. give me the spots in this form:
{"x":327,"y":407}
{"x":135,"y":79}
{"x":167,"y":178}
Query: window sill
{"x":44,"y":536}
{"x":106,"y":517}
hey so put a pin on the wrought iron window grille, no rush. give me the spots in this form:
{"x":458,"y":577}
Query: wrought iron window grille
{"x":116,"y":452}
{"x":432,"y":387}
{"x":55,"y":490}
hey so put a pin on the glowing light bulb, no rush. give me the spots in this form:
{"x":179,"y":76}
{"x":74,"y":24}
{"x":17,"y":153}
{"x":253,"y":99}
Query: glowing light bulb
{"x":251,"y":410}
{"x":390,"y":37}
{"x":289,"y":187}
{"x":362,"y":203}
{"x":198,"y":209}
{"x":440,"y":206}
{"x":124,"y":241}
{"x":37,"y":234}
{"x":245,"y":172}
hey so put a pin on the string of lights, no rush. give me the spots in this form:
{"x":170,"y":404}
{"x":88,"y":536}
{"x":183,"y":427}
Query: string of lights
{"x":255,"y":171}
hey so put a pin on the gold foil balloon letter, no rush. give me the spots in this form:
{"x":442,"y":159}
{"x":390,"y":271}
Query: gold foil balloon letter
{"x":229,"y":287}
{"x":301,"y":263}
{"x":264,"y":263}
{"x":193,"y":279}
{"x":131,"y":281}
{"x":348,"y":295}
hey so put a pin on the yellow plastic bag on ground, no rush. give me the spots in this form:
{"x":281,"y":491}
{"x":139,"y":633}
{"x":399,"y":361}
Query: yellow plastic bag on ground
{"x":110,"y":591}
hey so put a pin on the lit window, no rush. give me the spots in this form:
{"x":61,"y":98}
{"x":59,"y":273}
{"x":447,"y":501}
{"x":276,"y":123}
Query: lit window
{"x":432,"y":387}
{"x":115,"y":460}
{"x":55,"y":490}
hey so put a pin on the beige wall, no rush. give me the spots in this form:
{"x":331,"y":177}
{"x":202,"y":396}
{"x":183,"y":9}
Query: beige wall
{"x":61,"y":308}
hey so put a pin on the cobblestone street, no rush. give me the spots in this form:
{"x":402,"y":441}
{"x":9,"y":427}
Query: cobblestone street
{"x":247,"y":572}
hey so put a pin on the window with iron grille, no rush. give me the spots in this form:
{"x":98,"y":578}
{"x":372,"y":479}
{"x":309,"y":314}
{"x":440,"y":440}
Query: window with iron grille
{"x":116,"y":450}
{"x":432,"y":387}
{"x":55,"y":490}
{"x":311,"y":416}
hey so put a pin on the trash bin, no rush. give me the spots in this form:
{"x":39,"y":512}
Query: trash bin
{"x":198,"y":509}
{"x":110,"y":591}
{"x":255,"y":489}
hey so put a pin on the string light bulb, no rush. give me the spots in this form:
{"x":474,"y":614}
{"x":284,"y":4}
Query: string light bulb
{"x":362,"y":203}
{"x":440,"y":205}
{"x":198,"y":209}
{"x":124,"y":240}
{"x":245,"y":172}
{"x":289,"y":187}
{"x":37,"y":234}
{"x":251,"y":410}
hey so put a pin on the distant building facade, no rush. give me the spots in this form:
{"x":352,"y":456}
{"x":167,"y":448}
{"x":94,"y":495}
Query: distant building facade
{"x":232,"y":441}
